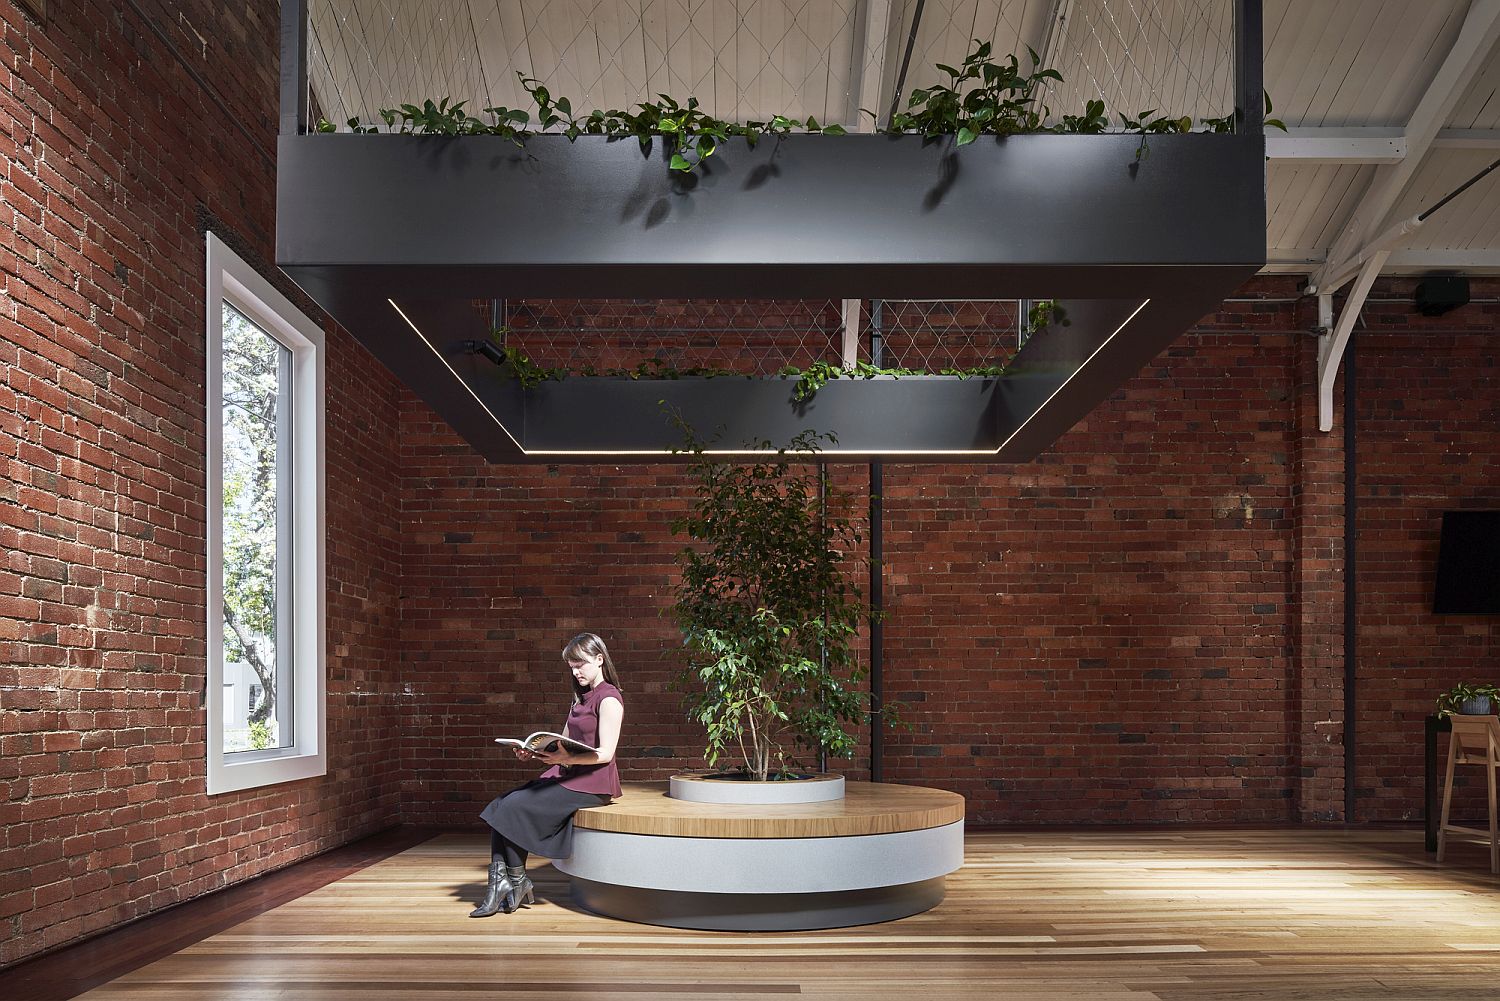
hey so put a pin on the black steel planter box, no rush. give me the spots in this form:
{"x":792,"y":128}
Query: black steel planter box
{"x":939,"y":416}
{"x":837,"y":216}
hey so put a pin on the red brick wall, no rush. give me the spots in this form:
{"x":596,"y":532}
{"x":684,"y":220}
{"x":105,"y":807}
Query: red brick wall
{"x":1429,"y":441}
{"x":502,"y":566}
{"x":1099,"y":635}
{"x":103,"y":815}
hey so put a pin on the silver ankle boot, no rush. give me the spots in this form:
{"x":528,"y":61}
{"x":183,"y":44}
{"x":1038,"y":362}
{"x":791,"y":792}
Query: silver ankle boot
{"x":496,"y":893}
{"x":520,"y":890}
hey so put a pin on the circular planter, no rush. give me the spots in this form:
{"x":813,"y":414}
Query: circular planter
{"x":712,"y":789}
{"x":1477,"y":706}
{"x":881,"y":853}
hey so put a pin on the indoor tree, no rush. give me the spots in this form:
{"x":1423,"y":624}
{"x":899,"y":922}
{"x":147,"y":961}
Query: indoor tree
{"x":767,"y":613}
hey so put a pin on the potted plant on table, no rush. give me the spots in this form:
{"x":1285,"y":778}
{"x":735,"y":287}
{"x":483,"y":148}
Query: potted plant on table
{"x":1468,"y":700}
{"x":767,"y":613}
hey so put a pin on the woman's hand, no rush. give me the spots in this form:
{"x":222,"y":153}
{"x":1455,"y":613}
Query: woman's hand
{"x":523,"y":754}
{"x":556,"y":757}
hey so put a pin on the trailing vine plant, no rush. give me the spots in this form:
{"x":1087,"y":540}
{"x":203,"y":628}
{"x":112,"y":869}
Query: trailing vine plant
{"x":1042,"y":314}
{"x":694,"y":134}
{"x":519,"y":366}
{"x":980,"y":97}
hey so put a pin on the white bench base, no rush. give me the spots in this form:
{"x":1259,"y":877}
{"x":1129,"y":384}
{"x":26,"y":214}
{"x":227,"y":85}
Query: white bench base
{"x":762,"y":884}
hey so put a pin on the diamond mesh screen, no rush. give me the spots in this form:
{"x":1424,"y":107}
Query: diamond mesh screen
{"x":752,"y":336}
{"x":754,"y":58}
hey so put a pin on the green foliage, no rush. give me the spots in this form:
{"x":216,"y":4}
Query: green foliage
{"x":530,"y":374}
{"x":1093,"y":121}
{"x":443,"y":119}
{"x":809,"y":380}
{"x":768,"y":617}
{"x":692,"y":135}
{"x":1272,"y":123}
{"x":1043,"y":313}
{"x":522,"y":368}
{"x":1449,"y":701}
{"x":260,"y":735}
{"x":1226,"y":123}
{"x":820,"y":373}
{"x":1143,"y":124}
{"x":980,"y":97}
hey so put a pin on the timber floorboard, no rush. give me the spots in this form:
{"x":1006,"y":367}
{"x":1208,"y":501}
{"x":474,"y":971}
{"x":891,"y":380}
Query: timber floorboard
{"x":1170,"y":914}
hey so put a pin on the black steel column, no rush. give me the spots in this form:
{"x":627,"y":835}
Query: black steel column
{"x":823,"y":647}
{"x":1249,"y":55}
{"x":293,"y":67}
{"x":1351,"y":539}
{"x":877,"y":575}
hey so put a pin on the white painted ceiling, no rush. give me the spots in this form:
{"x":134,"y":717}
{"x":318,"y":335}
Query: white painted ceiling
{"x":1391,"y":103}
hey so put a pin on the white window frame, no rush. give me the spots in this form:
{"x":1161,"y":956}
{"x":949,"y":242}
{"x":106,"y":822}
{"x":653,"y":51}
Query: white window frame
{"x":231,"y":279}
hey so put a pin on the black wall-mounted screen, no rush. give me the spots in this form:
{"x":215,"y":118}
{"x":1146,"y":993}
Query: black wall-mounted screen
{"x":1468,"y":570}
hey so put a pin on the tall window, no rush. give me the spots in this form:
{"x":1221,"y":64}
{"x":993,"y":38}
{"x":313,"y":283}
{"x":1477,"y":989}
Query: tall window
{"x":265,"y":552}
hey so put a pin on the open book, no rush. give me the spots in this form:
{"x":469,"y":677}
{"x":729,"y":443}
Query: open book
{"x":544,"y":740}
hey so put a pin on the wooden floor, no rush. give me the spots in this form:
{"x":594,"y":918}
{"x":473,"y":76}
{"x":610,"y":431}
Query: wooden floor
{"x":1316,"y":914}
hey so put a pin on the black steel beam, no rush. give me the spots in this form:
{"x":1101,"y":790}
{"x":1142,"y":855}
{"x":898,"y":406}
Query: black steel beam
{"x":293,"y":67}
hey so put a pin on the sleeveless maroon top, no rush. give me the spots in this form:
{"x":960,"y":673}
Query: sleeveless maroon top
{"x":583,"y":724}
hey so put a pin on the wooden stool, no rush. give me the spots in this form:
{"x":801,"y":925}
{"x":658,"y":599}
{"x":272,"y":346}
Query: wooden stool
{"x":1475,"y":741}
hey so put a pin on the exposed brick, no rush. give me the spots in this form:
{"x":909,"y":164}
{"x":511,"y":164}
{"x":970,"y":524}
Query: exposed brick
{"x":101,"y":477}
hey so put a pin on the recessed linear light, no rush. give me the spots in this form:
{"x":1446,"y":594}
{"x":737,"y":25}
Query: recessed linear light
{"x":748,"y":451}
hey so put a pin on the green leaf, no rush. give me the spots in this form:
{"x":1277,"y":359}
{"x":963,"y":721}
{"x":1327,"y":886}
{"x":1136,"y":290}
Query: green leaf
{"x":680,"y":162}
{"x":966,"y":135}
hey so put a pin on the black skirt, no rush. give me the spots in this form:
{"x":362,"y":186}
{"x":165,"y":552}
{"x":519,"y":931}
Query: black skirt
{"x":538,"y":816}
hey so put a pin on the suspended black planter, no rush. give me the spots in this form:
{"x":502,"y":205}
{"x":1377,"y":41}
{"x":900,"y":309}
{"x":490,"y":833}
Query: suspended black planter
{"x":397,"y":235}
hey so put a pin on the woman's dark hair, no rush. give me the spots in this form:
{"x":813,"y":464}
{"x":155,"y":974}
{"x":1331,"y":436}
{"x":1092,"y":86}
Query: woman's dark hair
{"x":583,"y":646}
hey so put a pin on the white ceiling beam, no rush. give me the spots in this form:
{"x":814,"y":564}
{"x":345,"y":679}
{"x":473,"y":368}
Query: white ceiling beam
{"x":1298,"y":260}
{"x":1466,"y":260}
{"x":1475,"y":39}
{"x":872,"y":29}
{"x":1367,"y":144}
{"x":1338,"y":145}
{"x":1467,"y":139}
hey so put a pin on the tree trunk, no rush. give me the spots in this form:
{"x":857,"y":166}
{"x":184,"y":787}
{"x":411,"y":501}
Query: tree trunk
{"x":267,"y":676}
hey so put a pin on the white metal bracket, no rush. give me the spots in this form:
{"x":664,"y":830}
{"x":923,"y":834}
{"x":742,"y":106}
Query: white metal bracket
{"x":1334,"y":338}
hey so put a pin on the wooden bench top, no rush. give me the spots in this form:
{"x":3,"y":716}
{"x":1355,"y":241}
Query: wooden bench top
{"x":867,"y":808}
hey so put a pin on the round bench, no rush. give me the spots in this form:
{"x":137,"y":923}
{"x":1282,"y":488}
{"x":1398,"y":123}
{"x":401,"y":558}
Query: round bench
{"x":880,"y":853}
